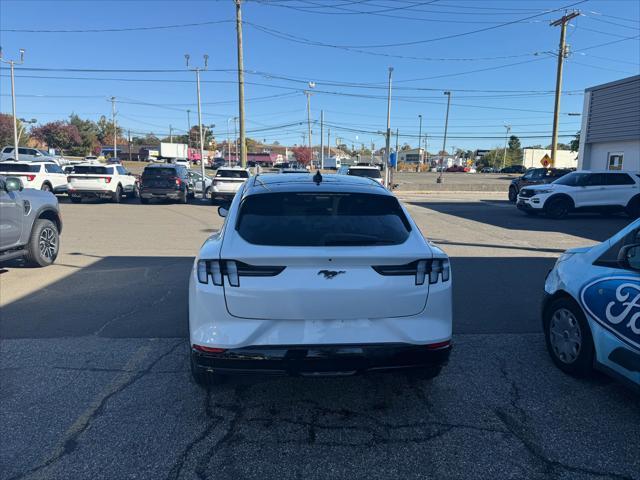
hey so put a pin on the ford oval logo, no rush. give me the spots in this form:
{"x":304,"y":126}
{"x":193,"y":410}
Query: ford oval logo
{"x":614,"y":302}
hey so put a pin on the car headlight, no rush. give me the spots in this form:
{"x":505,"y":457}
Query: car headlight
{"x":539,"y":192}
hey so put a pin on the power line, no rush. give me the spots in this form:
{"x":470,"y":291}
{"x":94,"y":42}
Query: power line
{"x":122,"y":29}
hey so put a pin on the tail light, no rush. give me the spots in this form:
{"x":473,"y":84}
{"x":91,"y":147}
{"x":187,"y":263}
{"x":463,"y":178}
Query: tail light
{"x":107,"y":179}
{"x":178,"y":181}
{"x":31,"y":178}
{"x":217,"y":269}
{"x":432,"y":268}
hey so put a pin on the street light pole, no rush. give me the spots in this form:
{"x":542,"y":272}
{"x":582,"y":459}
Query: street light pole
{"x":12,"y":63}
{"x":444,"y":143}
{"x":504,"y":153}
{"x":197,"y":70}
{"x":420,"y":141}
{"x":115,"y":128}
{"x":388,"y":141}
{"x":188,"y":130}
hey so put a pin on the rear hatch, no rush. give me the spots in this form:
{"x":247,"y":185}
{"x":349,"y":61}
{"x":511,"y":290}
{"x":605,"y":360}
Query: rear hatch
{"x":322,"y":249}
{"x":229,"y":180}
{"x":26,"y":173}
{"x":92,"y":177}
{"x":160,"y":177}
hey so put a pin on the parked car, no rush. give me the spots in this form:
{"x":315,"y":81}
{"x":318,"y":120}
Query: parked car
{"x":605,"y":192}
{"x":318,"y":276}
{"x":591,"y":310}
{"x":535,"y":176}
{"x":32,"y":232}
{"x":165,"y":181}
{"x":514,"y":169}
{"x":181,"y":161}
{"x":41,"y":175}
{"x":455,"y":169}
{"x":197,"y":184}
{"x":489,"y":170}
{"x":108,"y":182}
{"x":26,"y":154}
{"x":227,"y":182}
{"x":366,"y":171}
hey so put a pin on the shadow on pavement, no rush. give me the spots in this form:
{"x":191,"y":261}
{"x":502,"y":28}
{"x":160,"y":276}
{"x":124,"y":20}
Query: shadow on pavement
{"x":113,"y":297}
{"x":588,"y":226}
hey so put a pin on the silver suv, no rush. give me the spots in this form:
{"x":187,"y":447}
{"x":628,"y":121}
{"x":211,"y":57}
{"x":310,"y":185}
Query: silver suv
{"x":27,"y":154}
{"x":30,"y":224}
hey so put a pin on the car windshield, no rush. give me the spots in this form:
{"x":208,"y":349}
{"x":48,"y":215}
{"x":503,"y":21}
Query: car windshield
{"x":44,"y":152}
{"x":364,"y":172}
{"x":91,"y":170}
{"x":160,"y":172}
{"x":322,"y":219}
{"x":573,"y":179}
{"x":232,"y":174}
{"x":18,"y":167}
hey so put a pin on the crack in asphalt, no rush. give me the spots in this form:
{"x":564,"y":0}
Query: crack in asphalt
{"x":516,"y":424}
{"x":70,"y":444}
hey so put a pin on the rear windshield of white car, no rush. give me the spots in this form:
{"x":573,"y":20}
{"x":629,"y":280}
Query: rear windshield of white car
{"x":232,"y":174}
{"x":322,"y":220}
{"x":18,"y":167}
{"x":90,"y":170}
{"x":364,"y":172}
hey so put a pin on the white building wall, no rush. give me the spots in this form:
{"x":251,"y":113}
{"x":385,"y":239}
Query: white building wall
{"x":564,"y":158}
{"x":596,"y":155}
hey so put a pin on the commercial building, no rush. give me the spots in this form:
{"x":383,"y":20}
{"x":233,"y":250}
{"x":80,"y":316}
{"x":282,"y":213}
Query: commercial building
{"x":532,"y":158}
{"x":411,"y":156}
{"x":610,"y":134}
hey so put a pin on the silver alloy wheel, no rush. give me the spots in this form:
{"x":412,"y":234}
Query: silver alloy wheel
{"x":565,"y":335}
{"x":48,"y":243}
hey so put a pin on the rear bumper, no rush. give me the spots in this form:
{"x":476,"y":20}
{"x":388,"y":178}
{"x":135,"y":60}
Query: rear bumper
{"x":160,"y":193}
{"x":90,"y":193}
{"x":322,"y":360}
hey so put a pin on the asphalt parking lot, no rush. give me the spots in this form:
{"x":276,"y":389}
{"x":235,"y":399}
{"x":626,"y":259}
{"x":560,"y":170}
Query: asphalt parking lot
{"x":95,"y":380}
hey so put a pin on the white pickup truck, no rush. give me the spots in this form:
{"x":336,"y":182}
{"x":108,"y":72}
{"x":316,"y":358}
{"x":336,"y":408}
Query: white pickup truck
{"x":110,"y":182}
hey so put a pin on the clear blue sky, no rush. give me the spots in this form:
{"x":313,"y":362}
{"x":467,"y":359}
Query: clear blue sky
{"x":291,"y":41}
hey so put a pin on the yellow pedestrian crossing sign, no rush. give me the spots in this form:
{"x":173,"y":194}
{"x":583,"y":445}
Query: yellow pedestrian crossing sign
{"x":546,"y":160}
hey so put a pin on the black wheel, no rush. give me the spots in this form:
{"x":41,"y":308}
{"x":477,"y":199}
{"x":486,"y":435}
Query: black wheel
{"x":557,"y":208}
{"x":135,"y":193}
{"x":76,"y":199}
{"x":205,"y":378}
{"x":184,"y":198}
{"x":44,"y":244}
{"x":117,"y":196}
{"x":633,"y":208}
{"x":46,"y":187}
{"x":144,"y":200}
{"x":568,"y":337}
{"x":513,"y":194}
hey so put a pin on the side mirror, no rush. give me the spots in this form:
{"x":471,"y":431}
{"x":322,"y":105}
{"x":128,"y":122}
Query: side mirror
{"x":13,"y":184}
{"x":629,"y":257}
{"x":223,"y":212}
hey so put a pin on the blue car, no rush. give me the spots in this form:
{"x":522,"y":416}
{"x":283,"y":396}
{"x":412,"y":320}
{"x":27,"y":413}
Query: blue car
{"x":591,"y":309}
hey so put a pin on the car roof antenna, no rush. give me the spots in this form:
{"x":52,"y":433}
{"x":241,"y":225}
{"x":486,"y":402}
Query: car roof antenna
{"x":317,"y":178}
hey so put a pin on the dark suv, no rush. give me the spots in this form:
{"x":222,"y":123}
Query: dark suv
{"x":165,"y":181}
{"x":514,"y":169}
{"x":535,"y":176}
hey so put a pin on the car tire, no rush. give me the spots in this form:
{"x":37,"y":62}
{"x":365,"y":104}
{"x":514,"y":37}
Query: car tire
{"x":44,"y":244}
{"x":204,"y":378}
{"x":633,"y":208}
{"x":144,"y":201}
{"x":46,"y":187}
{"x":557,"y":208}
{"x":184,"y":198}
{"x":513,"y":194}
{"x":76,"y":199}
{"x":135,"y":193}
{"x":568,"y":337}
{"x":117,"y":195}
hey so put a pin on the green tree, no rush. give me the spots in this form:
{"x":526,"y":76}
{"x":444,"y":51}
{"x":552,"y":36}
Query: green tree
{"x":514,"y":152}
{"x":88,"y":131}
{"x":575,"y":143}
{"x":106,"y":130}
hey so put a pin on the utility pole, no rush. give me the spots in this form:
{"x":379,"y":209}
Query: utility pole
{"x":129,"y":137}
{"x":243,"y":142}
{"x":328,"y":142}
{"x":188,"y":128}
{"x":308,"y":94}
{"x":115,"y":128}
{"x":504,"y":153}
{"x":197,"y":70}
{"x":228,"y":144}
{"x":12,"y":63}
{"x":562,"y":54}
{"x":322,"y":139}
{"x":170,"y":134}
{"x":444,"y":143}
{"x":388,"y":142}
{"x":235,"y":138}
{"x":420,"y":141}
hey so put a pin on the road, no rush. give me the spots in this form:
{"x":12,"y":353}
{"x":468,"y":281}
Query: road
{"x":96,"y":384}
